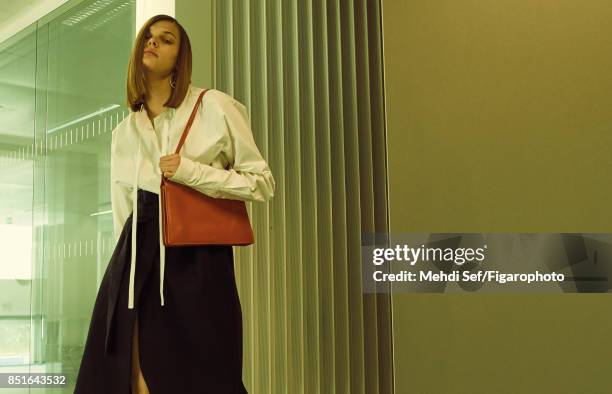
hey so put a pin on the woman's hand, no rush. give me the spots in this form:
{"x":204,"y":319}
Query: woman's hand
{"x":168,"y":164}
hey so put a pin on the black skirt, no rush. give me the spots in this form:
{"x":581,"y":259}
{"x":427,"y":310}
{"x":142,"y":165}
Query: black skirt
{"x":191,"y":344}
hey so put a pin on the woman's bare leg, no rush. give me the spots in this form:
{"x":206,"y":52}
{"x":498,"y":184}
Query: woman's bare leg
{"x":139,"y":386}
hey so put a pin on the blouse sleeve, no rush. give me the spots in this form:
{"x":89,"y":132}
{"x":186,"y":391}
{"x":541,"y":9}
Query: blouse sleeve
{"x":248,"y":179}
{"x":121,"y":199}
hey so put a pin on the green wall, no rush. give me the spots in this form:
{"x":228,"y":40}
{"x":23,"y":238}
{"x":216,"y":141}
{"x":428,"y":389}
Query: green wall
{"x":197,"y":17}
{"x":498,"y":121}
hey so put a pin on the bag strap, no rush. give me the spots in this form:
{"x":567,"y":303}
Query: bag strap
{"x":190,"y":121}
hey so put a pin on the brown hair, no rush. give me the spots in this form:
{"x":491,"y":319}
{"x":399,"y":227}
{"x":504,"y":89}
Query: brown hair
{"x":136,"y":88}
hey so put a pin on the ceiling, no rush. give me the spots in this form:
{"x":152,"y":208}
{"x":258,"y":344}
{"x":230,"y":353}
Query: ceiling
{"x":16,"y":15}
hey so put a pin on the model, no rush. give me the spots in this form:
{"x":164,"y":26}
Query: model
{"x":169,"y":319}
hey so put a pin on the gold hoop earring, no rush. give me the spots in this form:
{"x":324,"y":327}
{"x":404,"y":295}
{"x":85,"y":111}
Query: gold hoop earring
{"x":172,"y":82}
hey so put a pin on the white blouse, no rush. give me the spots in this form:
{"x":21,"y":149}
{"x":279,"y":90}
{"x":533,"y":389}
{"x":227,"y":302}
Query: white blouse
{"x":220,"y":135}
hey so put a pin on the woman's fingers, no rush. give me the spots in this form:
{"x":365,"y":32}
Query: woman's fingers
{"x":169,"y":162}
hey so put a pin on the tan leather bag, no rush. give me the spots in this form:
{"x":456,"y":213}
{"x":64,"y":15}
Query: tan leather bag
{"x":191,"y":217}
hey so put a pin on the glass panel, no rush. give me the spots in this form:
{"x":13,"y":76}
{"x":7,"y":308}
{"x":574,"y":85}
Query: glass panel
{"x":17,"y":105}
{"x":62,"y":92}
{"x":87,"y":52}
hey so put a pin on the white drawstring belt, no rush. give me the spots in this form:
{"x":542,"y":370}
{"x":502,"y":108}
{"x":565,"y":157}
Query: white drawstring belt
{"x":162,"y":248}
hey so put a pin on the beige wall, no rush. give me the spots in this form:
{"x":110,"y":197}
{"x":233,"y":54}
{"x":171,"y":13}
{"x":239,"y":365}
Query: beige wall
{"x":499,"y":120}
{"x":196,"y":16}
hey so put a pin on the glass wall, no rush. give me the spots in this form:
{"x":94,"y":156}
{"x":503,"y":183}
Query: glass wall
{"x":17,"y":98}
{"x":62,"y":91}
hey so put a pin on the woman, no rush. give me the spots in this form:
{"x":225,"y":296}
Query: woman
{"x":186,"y":335}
